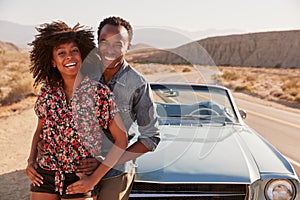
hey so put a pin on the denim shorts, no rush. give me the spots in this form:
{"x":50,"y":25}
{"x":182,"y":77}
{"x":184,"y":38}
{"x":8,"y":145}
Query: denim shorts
{"x":48,"y":185}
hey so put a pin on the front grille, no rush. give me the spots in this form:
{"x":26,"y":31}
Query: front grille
{"x":189,"y":191}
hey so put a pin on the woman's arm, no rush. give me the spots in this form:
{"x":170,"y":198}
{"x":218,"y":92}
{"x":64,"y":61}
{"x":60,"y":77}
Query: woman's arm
{"x":35,"y":177}
{"x":119,"y":134}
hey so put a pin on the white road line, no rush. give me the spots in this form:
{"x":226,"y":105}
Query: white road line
{"x":274,"y":119}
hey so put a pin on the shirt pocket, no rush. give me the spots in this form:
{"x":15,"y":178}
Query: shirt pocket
{"x":126,"y":115}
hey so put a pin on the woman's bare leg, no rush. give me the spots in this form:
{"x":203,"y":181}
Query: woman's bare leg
{"x":44,"y":196}
{"x":83,"y":198}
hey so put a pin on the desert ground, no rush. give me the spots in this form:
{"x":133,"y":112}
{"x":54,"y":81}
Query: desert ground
{"x":18,"y":121}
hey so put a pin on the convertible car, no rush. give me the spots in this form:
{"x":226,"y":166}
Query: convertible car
{"x":208,"y":152}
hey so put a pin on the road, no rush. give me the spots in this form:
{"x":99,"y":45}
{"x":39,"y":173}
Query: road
{"x":281,"y":128}
{"x":278,"y":126}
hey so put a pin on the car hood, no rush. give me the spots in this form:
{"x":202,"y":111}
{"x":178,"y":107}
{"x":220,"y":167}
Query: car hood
{"x":210,"y":153}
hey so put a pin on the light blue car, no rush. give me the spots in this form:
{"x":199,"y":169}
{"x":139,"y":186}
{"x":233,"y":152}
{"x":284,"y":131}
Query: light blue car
{"x":208,"y":152}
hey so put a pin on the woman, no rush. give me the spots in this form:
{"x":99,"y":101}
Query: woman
{"x":72,"y":111}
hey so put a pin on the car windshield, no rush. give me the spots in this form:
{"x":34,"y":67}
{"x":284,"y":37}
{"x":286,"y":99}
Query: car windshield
{"x":192,"y":105}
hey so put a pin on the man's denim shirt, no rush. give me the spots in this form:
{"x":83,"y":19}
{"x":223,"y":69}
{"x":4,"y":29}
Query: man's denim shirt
{"x":135,"y":103}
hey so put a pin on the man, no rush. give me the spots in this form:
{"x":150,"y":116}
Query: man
{"x":134,"y":100}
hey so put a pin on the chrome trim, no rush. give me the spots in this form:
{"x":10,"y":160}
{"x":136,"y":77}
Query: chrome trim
{"x":184,"y":195}
{"x":192,"y":182}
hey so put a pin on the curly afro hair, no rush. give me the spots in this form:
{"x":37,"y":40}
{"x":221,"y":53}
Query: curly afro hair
{"x":116,"y":21}
{"x":50,"y":36}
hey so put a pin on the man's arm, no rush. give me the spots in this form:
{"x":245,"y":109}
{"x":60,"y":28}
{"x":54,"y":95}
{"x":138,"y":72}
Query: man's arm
{"x":135,"y":150}
{"x":146,"y":117}
{"x":147,"y":125}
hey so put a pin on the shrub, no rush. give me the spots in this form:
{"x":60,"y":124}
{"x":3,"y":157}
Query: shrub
{"x":18,"y":91}
{"x":230,"y":76}
{"x":276,"y":93}
{"x":297,"y":98}
{"x":186,"y":69}
{"x":246,"y":88}
{"x":16,"y":82}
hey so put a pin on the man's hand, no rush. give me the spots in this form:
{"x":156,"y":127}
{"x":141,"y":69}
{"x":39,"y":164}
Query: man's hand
{"x":35,"y":177}
{"x":88,"y":166}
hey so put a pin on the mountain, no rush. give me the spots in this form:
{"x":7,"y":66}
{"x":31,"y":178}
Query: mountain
{"x":140,"y":46}
{"x":17,"y":34}
{"x":169,"y":37}
{"x":7,"y":46}
{"x":265,"y":49}
{"x":170,"y":45}
{"x":159,"y":37}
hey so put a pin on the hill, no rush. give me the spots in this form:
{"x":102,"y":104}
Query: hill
{"x":265,"y":49}
{"x":15,"y":33}
{"x":8,"y":46}
{"x":16,"y":81}
{"x":159,"y":37}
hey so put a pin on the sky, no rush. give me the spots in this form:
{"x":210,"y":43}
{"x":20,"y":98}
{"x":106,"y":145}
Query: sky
{"x":238,"y":16}
{"x":190,"y":15}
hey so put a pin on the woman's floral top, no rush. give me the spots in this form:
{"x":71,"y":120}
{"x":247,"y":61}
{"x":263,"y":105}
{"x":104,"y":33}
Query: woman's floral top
{"x":72,"y":130}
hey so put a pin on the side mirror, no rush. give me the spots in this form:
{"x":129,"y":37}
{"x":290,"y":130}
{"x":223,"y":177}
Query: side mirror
{"x":243,"y":114}
{"x":171,"y":93}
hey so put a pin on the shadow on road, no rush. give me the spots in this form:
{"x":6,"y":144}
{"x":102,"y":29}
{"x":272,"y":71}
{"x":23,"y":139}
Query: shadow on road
{"x":14,"y":185}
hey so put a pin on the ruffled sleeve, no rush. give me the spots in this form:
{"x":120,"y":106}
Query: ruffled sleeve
{"x":40,"y":103}
{"x":105,"y":105}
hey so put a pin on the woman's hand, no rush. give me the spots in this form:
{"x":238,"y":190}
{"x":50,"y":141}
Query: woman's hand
{"x":35,"y":177}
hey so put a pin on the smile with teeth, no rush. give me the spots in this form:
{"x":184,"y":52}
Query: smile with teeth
{"x":109,"y":58}
{"x":70,"y":65}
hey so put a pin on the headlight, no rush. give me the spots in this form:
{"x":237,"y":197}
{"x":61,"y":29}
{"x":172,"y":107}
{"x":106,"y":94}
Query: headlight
{"x":280,"y":189}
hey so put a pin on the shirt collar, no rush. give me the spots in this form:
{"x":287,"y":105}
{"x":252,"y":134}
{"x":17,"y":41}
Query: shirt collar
{"x":116,"y":78}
